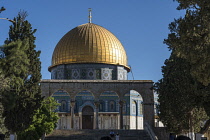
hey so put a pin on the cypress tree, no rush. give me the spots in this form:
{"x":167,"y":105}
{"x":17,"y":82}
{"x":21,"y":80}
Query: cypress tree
{"x":22,"y":66}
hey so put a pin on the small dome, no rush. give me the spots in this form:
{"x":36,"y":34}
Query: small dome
{"x":89,"y":43}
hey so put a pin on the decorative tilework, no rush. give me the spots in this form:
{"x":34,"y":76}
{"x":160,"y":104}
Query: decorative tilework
{"x":53,"y":73}
{"x":68,"y":74}
{"x":85,"y":104}
{"x":60,"y":74}
{"x":106,"y":74}
{"x":63,"y":98}
{"x":88,"y":71}
{"x":98,"y":74}
{"x":120,"y":75}
{"x":75,"y":74}
{"x":87,"y":98}
{"x":125,"y":75}
{"x":83,"y":73}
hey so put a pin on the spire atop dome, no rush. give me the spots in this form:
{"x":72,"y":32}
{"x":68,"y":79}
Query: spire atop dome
{"x":90,"y":17}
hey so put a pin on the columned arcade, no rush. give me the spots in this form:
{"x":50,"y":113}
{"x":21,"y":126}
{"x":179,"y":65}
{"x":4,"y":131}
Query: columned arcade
{"x":90,"y":113}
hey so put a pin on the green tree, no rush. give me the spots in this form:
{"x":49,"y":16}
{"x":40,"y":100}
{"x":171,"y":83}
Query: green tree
{"x":2,"y":127}
{"x":44,"y":121}
{"x":190,"y":37}
{"x":190,"y":40}
{"x":18,"y":102}
{"x":4,"y":82}
{"x":22,"y":66}
{"x":179,"y":97}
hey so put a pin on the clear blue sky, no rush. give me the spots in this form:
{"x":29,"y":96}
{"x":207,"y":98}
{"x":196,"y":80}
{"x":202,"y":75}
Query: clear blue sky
{"x":140,"y":25}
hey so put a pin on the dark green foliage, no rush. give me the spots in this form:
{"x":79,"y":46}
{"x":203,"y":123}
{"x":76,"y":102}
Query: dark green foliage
{"x":178,"y":96}
{"x":4,"y":82}
{"x":4,"y":85}
{"x":19,"y":102}
{"x":22,"y":66}
{"x":184,"y":90}
{"x":192,"y":4}
{"x":22,"y":30}
{"x":44,"y":121}
{"x":2,"y":126}
{"x":190,"y":37}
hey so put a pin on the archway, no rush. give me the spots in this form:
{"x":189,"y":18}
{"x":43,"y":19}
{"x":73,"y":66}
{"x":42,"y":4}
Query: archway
{"x":146,"y":110}
{"x":108,"y":110}
{"x":136,"y":110}
{"x":87,"y":117}
{"x":63,"y":110}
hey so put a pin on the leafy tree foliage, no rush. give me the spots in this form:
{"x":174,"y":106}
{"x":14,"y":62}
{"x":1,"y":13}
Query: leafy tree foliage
{"x":190,"y":37}
{"x":18,"y":102}
{"x":2,"y":127}
{"x":22,"y":30}
{"x":44,"y":121}
{"x":22,"y":66}
{"x":184,"y":90}
{"x":179,"y":97}
{"x":4,"y":82}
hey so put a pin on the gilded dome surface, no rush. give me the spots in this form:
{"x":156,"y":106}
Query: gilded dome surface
{"x":89,"y":43}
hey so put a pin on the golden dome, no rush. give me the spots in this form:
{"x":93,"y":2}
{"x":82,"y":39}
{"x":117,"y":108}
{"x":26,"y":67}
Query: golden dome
{"x":89,"y":43}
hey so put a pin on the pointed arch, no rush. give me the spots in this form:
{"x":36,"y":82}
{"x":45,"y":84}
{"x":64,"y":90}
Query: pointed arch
{"x":62,"y":97}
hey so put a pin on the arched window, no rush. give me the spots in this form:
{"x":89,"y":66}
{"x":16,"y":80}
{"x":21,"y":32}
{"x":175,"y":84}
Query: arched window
{"x":101,"y":108}
{"x":112,"y":106}
{"x":63,"y":106}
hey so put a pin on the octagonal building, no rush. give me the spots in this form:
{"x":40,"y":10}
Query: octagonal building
{"x":89,"y":52}
{"x":89,"y":79}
